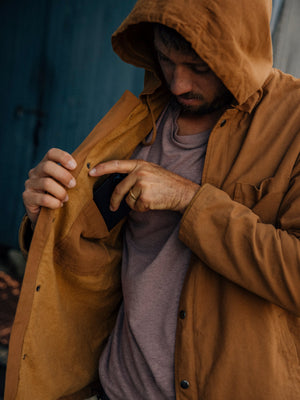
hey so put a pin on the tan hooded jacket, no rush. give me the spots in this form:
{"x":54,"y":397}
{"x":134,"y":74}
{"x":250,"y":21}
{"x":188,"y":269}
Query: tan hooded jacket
{"x":239,"y":335}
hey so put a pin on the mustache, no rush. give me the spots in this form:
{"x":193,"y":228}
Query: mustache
{"x":190,"y":95}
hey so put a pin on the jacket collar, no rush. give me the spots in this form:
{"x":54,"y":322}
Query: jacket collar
{"x":255,"y":99}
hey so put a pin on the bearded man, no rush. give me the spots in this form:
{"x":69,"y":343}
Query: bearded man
{"x":194,"y":294}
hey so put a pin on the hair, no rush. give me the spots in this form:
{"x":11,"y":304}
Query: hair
{"x":172,"y":39}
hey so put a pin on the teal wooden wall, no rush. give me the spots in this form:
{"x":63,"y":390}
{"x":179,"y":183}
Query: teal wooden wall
{"x":58,"y":77}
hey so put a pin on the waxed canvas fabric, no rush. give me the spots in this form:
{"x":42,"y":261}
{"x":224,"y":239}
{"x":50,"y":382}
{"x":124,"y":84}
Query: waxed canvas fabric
{"x":240,"y":335}
{"x":232,"y":37}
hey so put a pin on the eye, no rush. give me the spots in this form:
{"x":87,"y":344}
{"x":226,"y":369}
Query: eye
{"x":162,"y":58}
{"x":200,"y":69}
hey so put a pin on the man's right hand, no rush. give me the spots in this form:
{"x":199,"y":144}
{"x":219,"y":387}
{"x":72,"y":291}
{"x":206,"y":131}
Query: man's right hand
{"x":48,"y":183}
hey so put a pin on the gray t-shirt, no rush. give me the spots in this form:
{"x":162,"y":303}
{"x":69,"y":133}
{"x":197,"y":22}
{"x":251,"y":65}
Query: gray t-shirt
{"x":138,"y":361}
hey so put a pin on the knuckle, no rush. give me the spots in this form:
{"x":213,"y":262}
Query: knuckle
{"x":141,"y":173}
{"x":47,"y":184}
{"x":24,"y":196}
{"x":146,"y":200}
{"x":139,"y":164}
{"x":143,"y":199}
{"x":47,"y":168}
{"x":141,"y":186}
{"x":44,"y":202}
{"x":61,"y":194}
{"x":117,"y":191}
{"x":27,"y":184}
{"x":44,"y":167}
{"x":116,"y":163}
{"x":49,"y":202}
{"x":65,"y":157}
{"x":51,"y":153}
{"x":67,"y":175}
{"x":140,"y":206}
{"x":31,"y":172}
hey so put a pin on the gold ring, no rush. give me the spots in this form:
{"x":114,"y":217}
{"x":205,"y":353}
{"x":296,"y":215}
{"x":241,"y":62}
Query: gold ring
{"x":132,"y":195}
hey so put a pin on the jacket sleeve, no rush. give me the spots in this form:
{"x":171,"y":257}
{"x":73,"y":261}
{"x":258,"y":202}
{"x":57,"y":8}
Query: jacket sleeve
{"x":232,"y":240}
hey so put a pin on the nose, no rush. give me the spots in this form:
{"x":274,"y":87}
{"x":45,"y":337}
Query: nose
{"x":181,"y":82}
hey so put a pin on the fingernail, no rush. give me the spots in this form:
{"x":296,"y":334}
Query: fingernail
{"x":72,"y":164}
{"x":92,"y":171}
{"x":66,"y":199}
{"x":72,"y":183}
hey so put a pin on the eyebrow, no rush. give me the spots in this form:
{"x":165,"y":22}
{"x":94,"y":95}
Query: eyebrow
{"x":197,"y":62}
{"x":159,"y":53}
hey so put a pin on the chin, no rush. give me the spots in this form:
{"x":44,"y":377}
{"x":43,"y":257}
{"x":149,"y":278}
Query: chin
{"x":197,"y":110}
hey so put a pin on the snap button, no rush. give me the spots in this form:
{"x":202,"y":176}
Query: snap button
{"x":184,"y":384}
{"x":182,"y":314}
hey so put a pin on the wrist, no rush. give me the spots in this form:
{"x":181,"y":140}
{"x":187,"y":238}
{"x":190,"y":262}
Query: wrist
{"x":188,"y":196}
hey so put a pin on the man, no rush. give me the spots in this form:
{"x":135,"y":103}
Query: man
{"x":195,"y":295}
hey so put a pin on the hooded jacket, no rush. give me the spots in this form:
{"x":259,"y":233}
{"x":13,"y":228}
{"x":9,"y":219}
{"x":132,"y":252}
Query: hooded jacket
{"x":238,"y":331}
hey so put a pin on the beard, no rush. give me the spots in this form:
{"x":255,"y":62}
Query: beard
{"x":218,"y":103}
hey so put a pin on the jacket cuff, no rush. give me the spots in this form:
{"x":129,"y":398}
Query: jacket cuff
{"x":206,"y":199}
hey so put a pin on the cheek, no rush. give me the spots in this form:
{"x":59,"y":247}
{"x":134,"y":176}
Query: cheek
{"x":210,"y":86}
{"x":167,"y":72}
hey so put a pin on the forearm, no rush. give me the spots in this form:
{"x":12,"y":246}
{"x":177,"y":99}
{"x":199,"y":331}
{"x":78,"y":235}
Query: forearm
{"x":230,"y":239}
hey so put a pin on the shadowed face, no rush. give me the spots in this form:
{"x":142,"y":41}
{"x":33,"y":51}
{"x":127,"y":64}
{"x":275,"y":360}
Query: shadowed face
{"x":193,"y":84}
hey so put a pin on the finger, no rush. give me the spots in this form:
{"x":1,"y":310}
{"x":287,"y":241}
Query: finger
{"x":141,"y":206}
{"x":9,"y":280}
{"x":55,"y":171}
{"x":110,"y":167}
{"x":48,"y":185}
{"x":61,"y":157}
{"x":3,"y":285}
{"x":5,"y":331}
{"x":121,"y":191}
{"x":15,"y":291}
{"x":137,"y":200}
{"x":35,"y":200}
{"x":4,"y":335}
{"x":134,"y":201}
{"x":32,"y":212}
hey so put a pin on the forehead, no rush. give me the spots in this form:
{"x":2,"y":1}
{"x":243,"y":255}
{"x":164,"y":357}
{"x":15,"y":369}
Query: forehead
{"x":169,"y":50}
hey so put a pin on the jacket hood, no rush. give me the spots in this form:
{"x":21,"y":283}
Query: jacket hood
{"x":232,"y":37}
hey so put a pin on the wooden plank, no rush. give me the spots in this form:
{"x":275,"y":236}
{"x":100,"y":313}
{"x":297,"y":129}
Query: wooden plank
{"x":22,"y":28}
{"x":87,"y":78}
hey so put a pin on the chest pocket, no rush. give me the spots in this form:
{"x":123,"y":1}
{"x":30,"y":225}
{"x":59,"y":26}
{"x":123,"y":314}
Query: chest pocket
{"x":263,"y":199}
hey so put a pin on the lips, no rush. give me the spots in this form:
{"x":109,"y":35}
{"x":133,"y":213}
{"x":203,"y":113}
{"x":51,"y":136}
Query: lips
{"x":189,"y":101}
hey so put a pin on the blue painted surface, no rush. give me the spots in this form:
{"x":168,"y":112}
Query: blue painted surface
{"x":58,"y":77}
